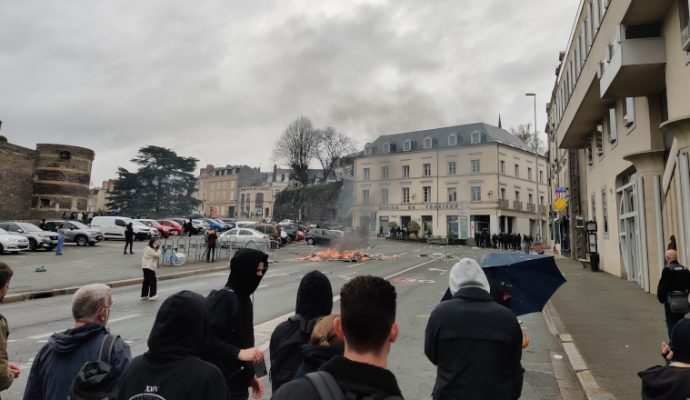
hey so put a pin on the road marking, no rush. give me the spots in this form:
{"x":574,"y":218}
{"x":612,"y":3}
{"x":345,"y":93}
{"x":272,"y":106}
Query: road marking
{"x":265,"y":329}
{"x":41,"y":336}
{"x":110,"y":321}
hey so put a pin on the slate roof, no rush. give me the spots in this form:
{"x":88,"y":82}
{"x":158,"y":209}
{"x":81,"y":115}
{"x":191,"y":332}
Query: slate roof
{"x":488,"y":134}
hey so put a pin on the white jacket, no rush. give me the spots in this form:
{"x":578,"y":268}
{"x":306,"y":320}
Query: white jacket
{"x":150,"y":258}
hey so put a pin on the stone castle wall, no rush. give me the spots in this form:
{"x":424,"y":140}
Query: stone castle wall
{"x":16,"y":180}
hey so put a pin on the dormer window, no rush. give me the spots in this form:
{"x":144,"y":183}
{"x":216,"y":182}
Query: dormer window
{"x":427,"y":143}
{"x":452,"y":140}
{"x":367,"y":149}
{"x":407,"y":145}
{"x":476,"y":138}
{"x":386,"y":148}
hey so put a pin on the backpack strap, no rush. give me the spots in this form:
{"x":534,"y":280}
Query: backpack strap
{"x":325,"y":385}
{"x":107,"y":343}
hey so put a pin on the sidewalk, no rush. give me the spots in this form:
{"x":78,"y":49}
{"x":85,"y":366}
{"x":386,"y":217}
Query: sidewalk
{"x":616,"y":326}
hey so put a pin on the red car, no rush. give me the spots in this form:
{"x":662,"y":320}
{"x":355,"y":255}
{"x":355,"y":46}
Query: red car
{"x":175,"y":228}
{"x":164,"y":230}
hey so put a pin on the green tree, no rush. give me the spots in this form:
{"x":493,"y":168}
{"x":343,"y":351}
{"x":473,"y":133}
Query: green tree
{"x":163,"y":184}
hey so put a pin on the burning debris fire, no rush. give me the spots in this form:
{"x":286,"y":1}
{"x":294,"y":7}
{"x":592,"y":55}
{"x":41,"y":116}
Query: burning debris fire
{"x":334,"y":254}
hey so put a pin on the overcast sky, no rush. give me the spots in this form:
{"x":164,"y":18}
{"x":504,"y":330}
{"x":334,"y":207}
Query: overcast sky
{"x":219,"y":80}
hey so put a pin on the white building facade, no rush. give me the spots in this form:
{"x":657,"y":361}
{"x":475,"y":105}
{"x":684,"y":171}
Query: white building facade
{"x":429,"y":176}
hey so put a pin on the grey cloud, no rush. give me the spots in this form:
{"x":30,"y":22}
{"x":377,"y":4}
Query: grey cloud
{"x":220,"y":80}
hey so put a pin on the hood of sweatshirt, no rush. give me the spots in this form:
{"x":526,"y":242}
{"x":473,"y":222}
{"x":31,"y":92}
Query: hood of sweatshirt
{"x":243,"y":279}
{"x":663,"y":383}
{"x":314,"y":296}
{"x":66,"y":342}
{"x":467,"y":273}
{"x":181,"y":326}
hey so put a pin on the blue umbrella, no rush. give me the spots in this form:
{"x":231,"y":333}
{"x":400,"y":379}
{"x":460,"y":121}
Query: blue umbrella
{"x":533,"y":279}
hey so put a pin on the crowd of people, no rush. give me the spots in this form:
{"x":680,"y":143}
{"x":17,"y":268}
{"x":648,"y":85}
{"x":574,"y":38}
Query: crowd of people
{"x":505,"y":241}
{"x":204,"y":347}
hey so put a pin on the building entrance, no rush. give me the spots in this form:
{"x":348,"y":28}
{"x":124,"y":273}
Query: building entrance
{"x":629,"y":232}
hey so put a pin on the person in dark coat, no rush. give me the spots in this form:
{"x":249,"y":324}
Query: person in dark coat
{"x":475,"y":343}
{"x":672,"y":243}
{"x":231,"y":346}
{"x":674,"y":277}
{"x":58,"y":362}
{"x":211,"y":245}
{"x":670,"y":382}
{"x":171,"y":368}
{"x":314,"y":300}
{"x":324,"y":344}
{"x":368,"y":328}
{"x":129,"y":238}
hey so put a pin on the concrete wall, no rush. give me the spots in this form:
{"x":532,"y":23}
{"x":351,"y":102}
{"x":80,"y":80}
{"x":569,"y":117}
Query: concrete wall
{"x":16,"y":173}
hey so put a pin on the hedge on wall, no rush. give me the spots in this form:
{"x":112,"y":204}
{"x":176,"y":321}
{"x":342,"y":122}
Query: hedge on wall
{"x":326,"y":204}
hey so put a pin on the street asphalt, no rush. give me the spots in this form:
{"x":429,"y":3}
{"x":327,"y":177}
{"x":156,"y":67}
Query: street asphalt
{"x":419,"y":273}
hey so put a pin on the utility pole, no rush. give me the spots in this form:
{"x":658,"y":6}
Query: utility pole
{"x":535,"y":146}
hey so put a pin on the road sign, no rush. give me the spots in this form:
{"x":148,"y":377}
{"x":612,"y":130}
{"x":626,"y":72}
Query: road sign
{"x":560,"y":204}
{"x":561,"y":190}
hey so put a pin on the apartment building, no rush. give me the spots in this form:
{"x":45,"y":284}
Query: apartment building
{"x":619,"y":134}
{"x":219,"y":188}
{"x":431,"y":176}
{"x":256,"y":202}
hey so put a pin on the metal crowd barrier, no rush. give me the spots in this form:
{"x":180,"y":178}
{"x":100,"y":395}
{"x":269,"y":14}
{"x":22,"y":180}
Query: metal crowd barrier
{"x":196,"y":250}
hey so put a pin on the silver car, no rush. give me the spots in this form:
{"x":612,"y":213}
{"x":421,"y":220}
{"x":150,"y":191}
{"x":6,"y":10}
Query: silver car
{"x":76,"y":232}
{"x":244,"y":237}
{"x":12,"y":242}
{"x":38,"y":238}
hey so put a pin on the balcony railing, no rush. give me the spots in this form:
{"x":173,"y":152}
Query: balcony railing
{"x":544,"y":210}
{"x":517,"y":205}
{"x":531,"y":207}
{"x":503,"y":204}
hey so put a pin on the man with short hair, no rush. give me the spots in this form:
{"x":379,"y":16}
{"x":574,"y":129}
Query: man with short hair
{"x":368,"y":328}
{"x":8,"y":370}
{"x":59,"y":361}
{"x":674,"y":278}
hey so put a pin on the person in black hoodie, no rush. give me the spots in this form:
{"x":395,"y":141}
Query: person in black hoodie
{"x":231,"y":346}
{"x":671,"y":382}
{"x":368,"y":328}
{"x":674,"y":277}
{"x":129,"y":238}
{"x":475,"y":342}
{"x":59,"y":361}
{"x":171,"y":368}
{"x":314,"y":300}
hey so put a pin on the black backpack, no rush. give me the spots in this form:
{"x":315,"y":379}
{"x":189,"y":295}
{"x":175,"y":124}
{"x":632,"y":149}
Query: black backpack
{"x":328,"y":389}
{"x":287,"y":358}
{"x":97,"y":380}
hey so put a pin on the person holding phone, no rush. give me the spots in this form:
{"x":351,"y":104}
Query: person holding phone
{"x":149,"y":264}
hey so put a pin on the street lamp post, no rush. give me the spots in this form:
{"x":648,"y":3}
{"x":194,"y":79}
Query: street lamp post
{"x":535,"y":146}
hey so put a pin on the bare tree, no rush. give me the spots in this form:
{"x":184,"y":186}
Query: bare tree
{"x":331,"y":146}
{"x":295,"y":147}
{"x":525,"y":133}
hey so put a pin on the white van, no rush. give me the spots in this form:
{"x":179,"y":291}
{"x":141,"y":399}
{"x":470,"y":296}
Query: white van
{"x":114,"y":228}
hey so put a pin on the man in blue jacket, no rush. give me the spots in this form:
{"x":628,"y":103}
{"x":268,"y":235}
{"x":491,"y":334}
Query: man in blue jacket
{"x":59,"y":361}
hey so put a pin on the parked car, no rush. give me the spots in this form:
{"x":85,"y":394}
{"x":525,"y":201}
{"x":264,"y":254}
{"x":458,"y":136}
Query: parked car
{"x":200,"y":226}
{"x":243,"y":237}
{"x":174,"y":226}
{"x":162,"y":229}
{"x":293,"y":230}
{"x":318,"y":236}
{"x":12,"y":242}
{"x":245,"y":224}
{"x":76,"y":232}
{"x":215,"y":224}
{"x":272,"y":230}
{"x":114,"y":227}
{"x":38,"y":238}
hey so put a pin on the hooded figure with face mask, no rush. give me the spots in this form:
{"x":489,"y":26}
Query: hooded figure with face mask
{"x":475,"y":343}
{"x":171,"y":368}
{"x":230,"y":347}
{"x":314,"y":300}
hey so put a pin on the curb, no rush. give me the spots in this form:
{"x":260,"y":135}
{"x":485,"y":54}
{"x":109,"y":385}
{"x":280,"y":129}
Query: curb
{"x":42,"y":294}
{"x":576,"y":362}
